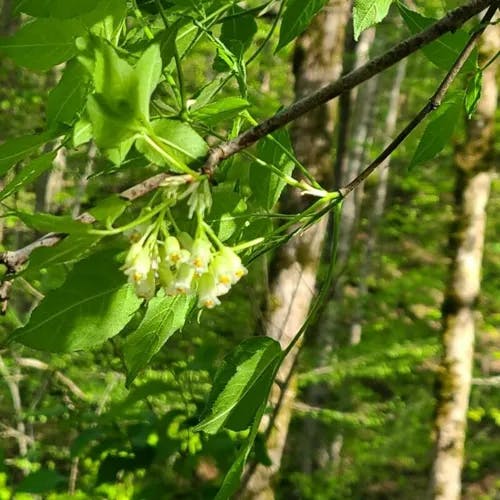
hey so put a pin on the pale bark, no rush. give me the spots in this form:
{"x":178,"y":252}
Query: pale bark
{"x":318,"y":59}
{"x":474,"y":161}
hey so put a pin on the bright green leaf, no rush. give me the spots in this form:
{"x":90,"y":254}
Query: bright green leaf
{"x":366,"y":13}
{"x":473,"y":93}
{"x":164,"y":316}
{"x":223,"y":109}
{"x":267,"y":185}
{"x":94,"y":304}
{"x":47,"y":223}
{"x":28,"y":174}
{"x":241,"y":385}
{"x":60,"y":9}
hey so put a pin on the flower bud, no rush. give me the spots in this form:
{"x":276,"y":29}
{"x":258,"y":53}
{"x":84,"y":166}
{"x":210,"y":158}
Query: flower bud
{"x":183,"y":279}
{"x":201,"y":255}
{"x":173,"y":253}
{"x":146,"y":287}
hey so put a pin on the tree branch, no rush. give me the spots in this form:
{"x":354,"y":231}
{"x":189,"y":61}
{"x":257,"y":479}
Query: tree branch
{"x":450,"y":22}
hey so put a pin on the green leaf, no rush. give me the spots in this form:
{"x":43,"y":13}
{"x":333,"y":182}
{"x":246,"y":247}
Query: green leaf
{"x":17,"y":149}
{"x":109,"y":209}
{"x":473,"y":93}
{"x":120,"y":107}
{"x":267,"y":185}
{"x":46,"y":223}
{"x":179,"y":141}
{"x":444,"y":51}
{"x":70,"y":249}
{"x":28,"y":174}
{"x":164,"y":316}
{"x":296,"y":18}
{"x":366,"y":13}
{"x":94,"y":304}
{"x":223,"y":109}
{"x":241,"y":385}
{"x":67,"y":100}
{"x":43,"y":43}
{"x":82,"y":132}
{"x":60,"y":9}
{"x":41,"y":481}
{"x":438,"y":133}
{"x":106,"y":19}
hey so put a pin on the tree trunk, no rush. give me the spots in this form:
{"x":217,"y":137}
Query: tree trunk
{"x":318,"y":60}
{"x":474,"y":161}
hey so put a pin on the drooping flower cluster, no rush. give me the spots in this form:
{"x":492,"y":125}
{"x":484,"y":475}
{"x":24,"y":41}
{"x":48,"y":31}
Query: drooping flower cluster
{"x":180,"y":265}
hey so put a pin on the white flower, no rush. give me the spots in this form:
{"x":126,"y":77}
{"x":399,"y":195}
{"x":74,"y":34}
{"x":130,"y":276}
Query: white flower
{"x":183,"y":279}
{"x":230,"y":266}
{"x":173,"y":253}
{"x":138,"y":263}
{"x":207,"y":292}
{"x":165,"y":276}
{"x":146,"y":287}
{"x":201,"y":255}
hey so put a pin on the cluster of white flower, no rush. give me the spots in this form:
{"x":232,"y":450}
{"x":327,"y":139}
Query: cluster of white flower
{"x":183,"y":266}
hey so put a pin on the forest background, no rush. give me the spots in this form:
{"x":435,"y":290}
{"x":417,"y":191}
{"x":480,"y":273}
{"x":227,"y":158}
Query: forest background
{"x":355,"y":410}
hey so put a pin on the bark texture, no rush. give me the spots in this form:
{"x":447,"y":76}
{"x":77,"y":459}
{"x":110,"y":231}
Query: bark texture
{"x":318,"y":60}
{"x":475,"y":161}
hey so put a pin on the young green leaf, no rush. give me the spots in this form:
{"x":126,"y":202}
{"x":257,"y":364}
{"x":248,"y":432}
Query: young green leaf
{"x":366,"y":13}
{"x":94,"y":304}
{"x":67,"y":100}
{"x":444,"y":51}
{"x":241,"y":385}
{"x":43,"y":43}
{"x":17,"y":149}
{"x":28,"y":174}
{"x":267,"y":185}
{"x":109,"y":209}
{"x":164,"y":316}
{"x":178,"y":141}
{"x":296,"y":18}
{"x":438,"y":133}
{"x":223,"y":109}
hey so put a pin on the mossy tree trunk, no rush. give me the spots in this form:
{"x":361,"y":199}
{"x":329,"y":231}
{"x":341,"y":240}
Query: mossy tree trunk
{"x":474,"y":161}
{"x":317,"y":61}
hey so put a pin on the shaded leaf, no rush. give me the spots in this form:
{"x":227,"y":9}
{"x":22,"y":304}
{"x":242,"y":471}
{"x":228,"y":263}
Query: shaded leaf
{"x":296,"y":18}
{"x":438,"y":133}
{"x":223,"y":109}
{"x":241,"y":385}
{"x":41,"y":481}
{"x":28,"y":174}
{"x":94,"y":304}
{"x":46,"y":223}
{"x":473,"y":93}
{"x":444,"y":51}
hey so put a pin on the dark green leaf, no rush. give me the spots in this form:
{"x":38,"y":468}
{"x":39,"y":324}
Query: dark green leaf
{"x":438,"y":133}
{"x":46,"y":223}
{"x":366,"y":13}
{"x":94,"y":304}
{"x":296,"y":18}
{"x":444,"y":51}
{"x":28,"y":174}
{"x":267,"y":185}
{"x":164,"y":316}
{"x":17,"y":149}
{"x":41,"y":481}
{"x":241,"y":385}
{"x":67,"y":100}
{"x":43,"y":43}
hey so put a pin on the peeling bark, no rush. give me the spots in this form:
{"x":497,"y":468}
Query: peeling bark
{"x":318,"y":60}
{"x":475,"y":161}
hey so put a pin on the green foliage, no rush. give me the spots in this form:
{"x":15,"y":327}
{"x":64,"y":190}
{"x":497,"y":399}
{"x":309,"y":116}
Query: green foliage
{"x":85,"y":311}
{"x":366,"y":13}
